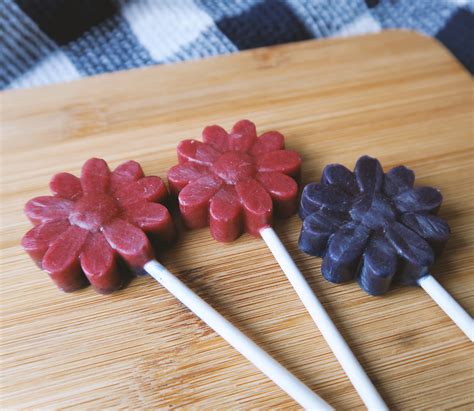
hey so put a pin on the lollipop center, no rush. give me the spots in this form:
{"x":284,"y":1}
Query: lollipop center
{"x":234,"y":166}
{"x":93,"y":210}
{"x":373,"y":210}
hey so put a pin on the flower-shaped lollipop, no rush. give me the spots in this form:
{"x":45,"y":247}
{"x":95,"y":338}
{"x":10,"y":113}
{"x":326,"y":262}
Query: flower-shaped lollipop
{"x":372,"y":225}
{"x":235,"y":177}
{"x":91,"y":224}
{"x":377,"y":228}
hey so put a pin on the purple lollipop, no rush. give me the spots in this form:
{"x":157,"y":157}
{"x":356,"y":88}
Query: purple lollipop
{"x":377,"y":228}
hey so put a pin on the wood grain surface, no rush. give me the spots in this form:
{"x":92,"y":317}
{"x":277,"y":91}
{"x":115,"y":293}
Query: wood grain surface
{"x":397,"y":96}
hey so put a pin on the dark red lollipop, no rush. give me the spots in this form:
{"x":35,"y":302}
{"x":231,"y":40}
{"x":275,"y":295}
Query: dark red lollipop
{"x":94,"y":225}
{"x":235,"y":181}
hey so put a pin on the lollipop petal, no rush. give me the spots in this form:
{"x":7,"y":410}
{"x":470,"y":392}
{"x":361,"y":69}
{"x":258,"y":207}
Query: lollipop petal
{"x":217,"y":137}
{"x":149,"y":188}
{"x":324,"y":197}
{"x":432,"y":228}
{"x":315,"y":233}
{"x":369,"y":174}
{"x":257,"y":205}
{"x":99,"y":266}
{"x":283,"y":191}
{"x":126,"y":173}
{"x":61,"y":260}
{"x":194,"y":200}
{"x":379,"y":265}
{"x":341,"y":260}
{"x":340,"y":176}
{"x":225,"y":215}
{"x":48,"y":208}
{"x":66,"y":185}
{"x":196,"y":152}
{"x":398,"y":179}
{"x":284,"y":161}
{"x":152,"y":218}
{"x":37,"y":241}
{"x":180,"y":175}
{"x":130,"y":242}
{"x":419,"y":199}
{"x":95,"y":176}
{"x":268,"y":142}
{"x":410,"y":245}
{"x":243,"y":136}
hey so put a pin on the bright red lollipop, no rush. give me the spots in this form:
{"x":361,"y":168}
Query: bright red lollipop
{"x":92,"y":224}
{"x":233,"y":182}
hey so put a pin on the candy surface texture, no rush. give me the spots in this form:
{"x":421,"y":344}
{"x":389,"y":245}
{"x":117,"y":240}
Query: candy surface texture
{"x":96,"y":228}
{"x":235,"y":181}
{"x":370,"y":225}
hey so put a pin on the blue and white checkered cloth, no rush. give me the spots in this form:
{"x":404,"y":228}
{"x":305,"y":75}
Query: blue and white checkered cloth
{"x":51,"y":41}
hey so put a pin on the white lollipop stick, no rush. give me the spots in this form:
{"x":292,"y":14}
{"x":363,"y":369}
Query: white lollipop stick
{"x":355,"y":372}
{"x":263,"y":361}
{"x":448,"y":304}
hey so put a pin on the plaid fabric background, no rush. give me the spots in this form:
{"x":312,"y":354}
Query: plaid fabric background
{"x":50,"y":41}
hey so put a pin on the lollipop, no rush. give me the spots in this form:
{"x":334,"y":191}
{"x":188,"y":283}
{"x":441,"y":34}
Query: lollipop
{"x":96,"y":228}
{"x":90,"y":228}
{"x":235,"y":182}
{"x":377,"y":228}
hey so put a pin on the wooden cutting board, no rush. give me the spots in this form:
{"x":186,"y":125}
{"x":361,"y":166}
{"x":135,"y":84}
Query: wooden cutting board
{"x":397,"y":96}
